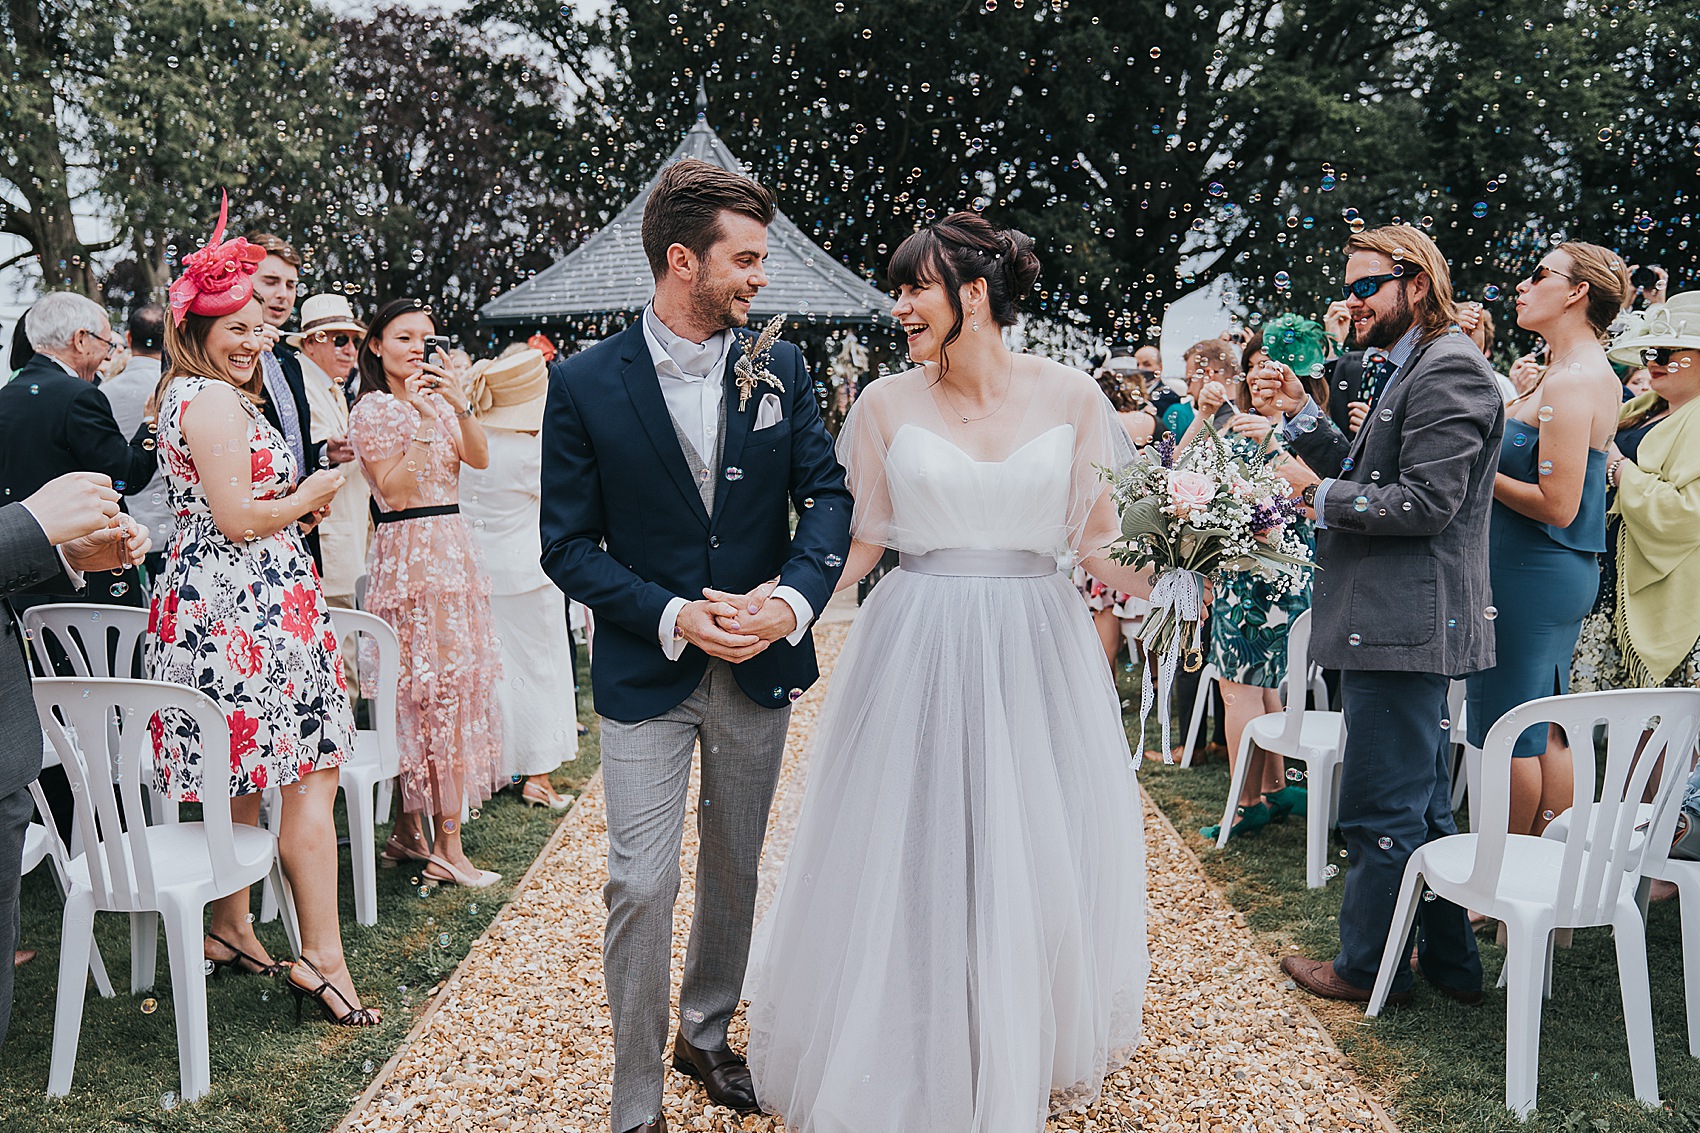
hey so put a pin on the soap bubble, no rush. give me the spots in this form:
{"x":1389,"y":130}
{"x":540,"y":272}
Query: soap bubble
{"x":1490,"y":293}
{"x":1479,"y":210}
{"x":150,"y":1005}
{"x":1355,"y":639}
{"x":1490,"y":613}
{"x":1384,"y":842}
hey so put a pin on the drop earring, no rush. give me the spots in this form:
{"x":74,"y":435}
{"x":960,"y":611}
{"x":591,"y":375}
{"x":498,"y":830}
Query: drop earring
{"x":976,"y":322}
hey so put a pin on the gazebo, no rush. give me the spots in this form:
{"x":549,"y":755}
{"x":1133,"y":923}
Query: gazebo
{"x":608,"y":275}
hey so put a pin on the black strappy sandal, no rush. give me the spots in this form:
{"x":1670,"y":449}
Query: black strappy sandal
{"x":238,"y":963}
{"x":353,"y":1017}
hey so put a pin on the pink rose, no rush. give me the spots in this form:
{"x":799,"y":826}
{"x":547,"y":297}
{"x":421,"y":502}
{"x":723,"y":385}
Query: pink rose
{"x":1191,"y":491}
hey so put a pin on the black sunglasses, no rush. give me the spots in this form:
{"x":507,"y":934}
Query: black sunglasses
{"x":1542,"y":271}
{"x":1369,"y":285}
{"x":337,"y":340}
{"x":1658,"y":355}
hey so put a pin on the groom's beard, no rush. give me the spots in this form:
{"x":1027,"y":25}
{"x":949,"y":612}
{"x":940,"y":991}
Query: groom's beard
{"x":717,"y":307}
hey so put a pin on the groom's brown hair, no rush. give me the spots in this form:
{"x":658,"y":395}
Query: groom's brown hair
{"x":685,"y":206}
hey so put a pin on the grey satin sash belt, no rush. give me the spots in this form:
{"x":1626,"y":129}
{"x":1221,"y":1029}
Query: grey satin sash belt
{"x":972,"y":562}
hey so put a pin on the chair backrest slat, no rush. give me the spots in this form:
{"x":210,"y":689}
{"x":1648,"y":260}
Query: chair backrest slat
{"x":98,"y":641}
{"x":109,"y":764}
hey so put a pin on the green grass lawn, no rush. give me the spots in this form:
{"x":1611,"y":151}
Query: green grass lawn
{"x":268,"y":1073}
{"x":1438,"y":1065}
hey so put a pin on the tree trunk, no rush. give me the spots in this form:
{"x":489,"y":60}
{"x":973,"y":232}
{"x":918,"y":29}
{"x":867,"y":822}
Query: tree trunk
{"x":36,"y":165}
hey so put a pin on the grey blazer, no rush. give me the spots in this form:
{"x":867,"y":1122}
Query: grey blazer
{"x":27,"y":560}
{"x":1404,"y":555}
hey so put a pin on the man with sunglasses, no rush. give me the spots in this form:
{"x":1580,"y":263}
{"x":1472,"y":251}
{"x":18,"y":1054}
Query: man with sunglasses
{"x":1402,"y":597}
{"x":328,"y":346}
{"x":54,"y":420}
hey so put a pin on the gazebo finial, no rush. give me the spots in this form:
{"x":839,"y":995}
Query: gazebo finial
{"x":702,"y":99}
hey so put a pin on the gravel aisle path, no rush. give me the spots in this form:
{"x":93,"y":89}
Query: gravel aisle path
{"x":519,"y":1038}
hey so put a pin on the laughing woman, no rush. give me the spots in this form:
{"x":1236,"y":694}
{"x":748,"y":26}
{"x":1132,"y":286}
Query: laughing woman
{"x":238,"y":613}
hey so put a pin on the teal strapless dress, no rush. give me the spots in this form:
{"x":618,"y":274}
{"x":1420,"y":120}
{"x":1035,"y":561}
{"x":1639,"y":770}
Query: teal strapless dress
{"x":1545,"y":579}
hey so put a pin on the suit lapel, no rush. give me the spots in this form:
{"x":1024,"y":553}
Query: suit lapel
{"x":644,"y":389}
{"x":737,"y":422}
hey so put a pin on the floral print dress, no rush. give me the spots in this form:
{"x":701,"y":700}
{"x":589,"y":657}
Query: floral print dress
{"x":425,"y":578}
{"x":244,"y":622}
{"x":1250,"y":616}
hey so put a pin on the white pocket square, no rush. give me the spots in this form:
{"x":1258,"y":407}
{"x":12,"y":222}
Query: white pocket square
{"x":768,"y":413}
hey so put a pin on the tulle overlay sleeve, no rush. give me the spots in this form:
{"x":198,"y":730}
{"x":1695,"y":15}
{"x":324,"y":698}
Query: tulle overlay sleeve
{"x":1102,"y":451}
{"x":863,"y":441}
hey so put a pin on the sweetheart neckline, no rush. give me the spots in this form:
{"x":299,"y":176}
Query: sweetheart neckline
{"x":959,"y":450}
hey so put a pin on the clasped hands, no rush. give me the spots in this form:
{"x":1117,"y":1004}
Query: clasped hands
{"x":79,"y":514}
{"x":736,"y":627}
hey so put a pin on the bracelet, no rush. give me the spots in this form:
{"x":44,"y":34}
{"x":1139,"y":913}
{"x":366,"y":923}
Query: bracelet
{"x":1613,"y":470}
{"x":424,"y":440}
{"x":463,"y":414}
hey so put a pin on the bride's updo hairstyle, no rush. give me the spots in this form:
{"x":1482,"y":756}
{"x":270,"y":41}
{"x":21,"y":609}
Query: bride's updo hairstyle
{"x":959,"y":249}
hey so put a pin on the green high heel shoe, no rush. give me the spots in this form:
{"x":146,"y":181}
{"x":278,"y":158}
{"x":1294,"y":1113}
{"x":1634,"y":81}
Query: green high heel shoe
{"x":1251,"y":819}
{"x":1288,"y":800}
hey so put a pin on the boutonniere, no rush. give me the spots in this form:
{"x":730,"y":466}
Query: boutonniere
{"x":752,"y":366}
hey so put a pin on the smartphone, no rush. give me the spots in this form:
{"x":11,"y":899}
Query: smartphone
{"x":437,"y":349}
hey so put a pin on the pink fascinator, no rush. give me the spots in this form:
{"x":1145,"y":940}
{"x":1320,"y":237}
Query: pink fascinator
{"x":218,"y":278}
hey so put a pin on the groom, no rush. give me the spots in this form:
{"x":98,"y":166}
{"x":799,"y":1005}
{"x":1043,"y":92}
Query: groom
{"x":669,"y":472}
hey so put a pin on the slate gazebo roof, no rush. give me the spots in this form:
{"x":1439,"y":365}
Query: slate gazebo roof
{"x":608,"y":274}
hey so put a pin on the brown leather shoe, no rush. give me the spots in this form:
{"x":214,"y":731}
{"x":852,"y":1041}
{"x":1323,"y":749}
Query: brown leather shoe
{"x":1319,"y":978}
{"x":656,"y":1124}
{"x":723,"y":1074}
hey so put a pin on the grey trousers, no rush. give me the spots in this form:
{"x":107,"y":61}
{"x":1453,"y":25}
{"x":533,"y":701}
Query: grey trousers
{"x":16,"y":809}
{"x":646,"y":770}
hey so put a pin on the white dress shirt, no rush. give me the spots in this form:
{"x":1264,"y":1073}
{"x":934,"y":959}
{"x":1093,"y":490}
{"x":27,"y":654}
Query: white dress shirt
{"x":691,"y":375}
{"x":342,"y":534}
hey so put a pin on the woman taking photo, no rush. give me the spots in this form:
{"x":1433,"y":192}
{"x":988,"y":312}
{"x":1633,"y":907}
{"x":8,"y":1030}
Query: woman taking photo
{"x":1549,"y":515}
{"x":412,"y":428}
{"x":1645,"y":631}
{"x":237,"y":613}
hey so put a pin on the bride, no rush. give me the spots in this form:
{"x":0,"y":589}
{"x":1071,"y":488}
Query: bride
{"x":958,"y":941}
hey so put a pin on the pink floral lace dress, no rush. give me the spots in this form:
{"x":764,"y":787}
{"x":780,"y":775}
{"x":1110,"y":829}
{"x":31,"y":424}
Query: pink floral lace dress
{"x":425,"y":578}
{"x":244,"y":622}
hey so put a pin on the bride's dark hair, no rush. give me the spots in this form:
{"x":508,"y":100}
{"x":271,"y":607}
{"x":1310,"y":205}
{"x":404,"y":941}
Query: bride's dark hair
{"x":959,"y":249}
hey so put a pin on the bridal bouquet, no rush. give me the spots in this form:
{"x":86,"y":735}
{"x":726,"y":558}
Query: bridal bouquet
{"x":1211,"y":510}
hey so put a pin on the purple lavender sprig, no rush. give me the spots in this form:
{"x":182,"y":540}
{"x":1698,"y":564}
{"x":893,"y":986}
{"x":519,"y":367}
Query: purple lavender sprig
{"x":1166,"y":452}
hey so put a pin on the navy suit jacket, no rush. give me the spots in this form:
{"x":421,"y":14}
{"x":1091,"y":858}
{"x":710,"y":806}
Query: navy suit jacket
{"x":624,"y":530}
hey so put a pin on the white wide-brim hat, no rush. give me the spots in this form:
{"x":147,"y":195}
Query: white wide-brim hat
{"x":508,"y":393}
{"x":325,"y":313}
{"x":1671,"y":325}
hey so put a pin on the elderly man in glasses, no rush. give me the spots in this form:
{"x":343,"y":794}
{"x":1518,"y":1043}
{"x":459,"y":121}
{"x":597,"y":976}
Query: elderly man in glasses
{"x":329,"y":346}
{"x":54,"y":420}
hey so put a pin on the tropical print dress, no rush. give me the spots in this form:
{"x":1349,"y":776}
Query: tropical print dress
{"x":1249,"y":616}
{"x":244,"y":622}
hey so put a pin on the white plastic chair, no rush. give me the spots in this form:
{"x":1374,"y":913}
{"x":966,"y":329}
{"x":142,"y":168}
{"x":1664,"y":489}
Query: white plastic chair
{"x":101,"y":641}
{"x":169,"y":870}
{"x":1313,"y":737}
{"x":376,"y":760}
{"x":1586,"y":879}
{"x":1658,"y":865}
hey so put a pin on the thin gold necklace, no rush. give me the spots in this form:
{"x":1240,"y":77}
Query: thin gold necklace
{"x":1009,"y":380}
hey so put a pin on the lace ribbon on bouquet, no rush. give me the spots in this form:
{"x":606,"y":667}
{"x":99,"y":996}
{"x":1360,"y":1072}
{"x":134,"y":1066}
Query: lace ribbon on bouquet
{"x":1177,"y":608}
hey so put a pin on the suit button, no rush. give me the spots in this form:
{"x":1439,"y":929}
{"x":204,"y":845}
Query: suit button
{"x":714,"y":540}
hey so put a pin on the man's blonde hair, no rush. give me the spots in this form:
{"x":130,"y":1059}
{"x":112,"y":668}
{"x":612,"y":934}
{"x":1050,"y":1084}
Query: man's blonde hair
{"x":1412,"y":250}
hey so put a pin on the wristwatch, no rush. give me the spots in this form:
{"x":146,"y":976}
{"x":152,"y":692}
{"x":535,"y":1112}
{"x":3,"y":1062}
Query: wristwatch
{"x":1307,"y":497}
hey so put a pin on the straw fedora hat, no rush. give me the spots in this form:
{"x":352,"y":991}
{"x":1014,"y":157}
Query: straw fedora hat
{"x":508,"y":393}
{"x":325,"y":313}
{"x":1672,"y":325}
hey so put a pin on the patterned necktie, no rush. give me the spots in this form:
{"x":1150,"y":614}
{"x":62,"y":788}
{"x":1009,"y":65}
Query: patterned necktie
{"x":277,"y":388}
{"x":1378,"y":370}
